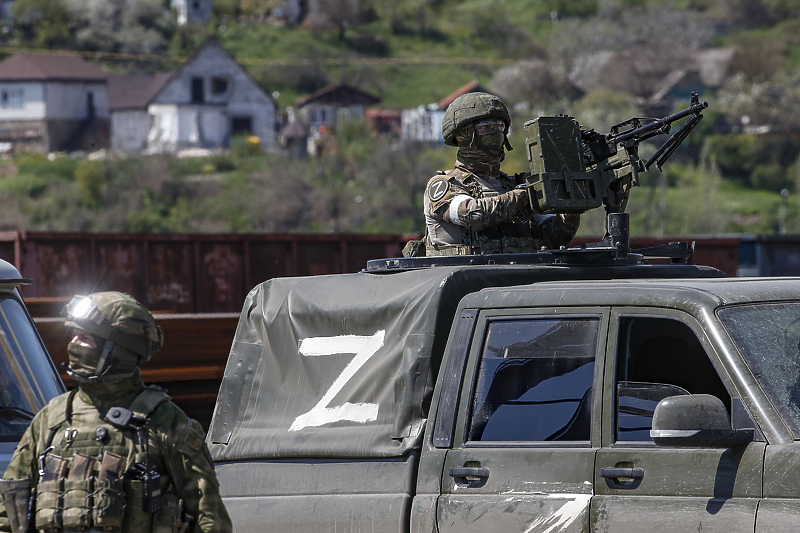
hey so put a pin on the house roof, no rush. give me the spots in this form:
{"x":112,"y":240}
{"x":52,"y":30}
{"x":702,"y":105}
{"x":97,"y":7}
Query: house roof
{"x":49,"y":67}
{"x":341,"y":94}
{"x":471,"y":87}
{"x":294,"y":130}
{"x":211,"y":42}
{"x":134,"y":91}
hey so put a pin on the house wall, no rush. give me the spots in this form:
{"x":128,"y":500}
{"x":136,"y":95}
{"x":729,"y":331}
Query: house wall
{"x":316,"y":115}
{"x":22,"y":101}
{"x":175,"y":127}
{"x":192,"y":11}
{"x":28,"y":135}
{"x":129,"y":130}
{"x":65,"y":101}
{"x":422,"y":124}
{"x":241,"y":98}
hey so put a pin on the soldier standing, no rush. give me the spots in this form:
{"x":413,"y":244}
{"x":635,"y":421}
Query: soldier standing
{"x":112,"y":455}
{"x":475,"y":208}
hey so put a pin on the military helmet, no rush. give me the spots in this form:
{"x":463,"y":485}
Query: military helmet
{"x":127,"y":332}
{"x":472,"y":107}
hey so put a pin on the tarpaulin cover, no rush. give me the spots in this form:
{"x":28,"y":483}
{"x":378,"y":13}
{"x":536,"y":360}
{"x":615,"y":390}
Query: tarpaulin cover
{"x":341,"y":365}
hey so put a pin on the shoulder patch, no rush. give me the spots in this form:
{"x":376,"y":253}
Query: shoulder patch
{"x":438,"y":188}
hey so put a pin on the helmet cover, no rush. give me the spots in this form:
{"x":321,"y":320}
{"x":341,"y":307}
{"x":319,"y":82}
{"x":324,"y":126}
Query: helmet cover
{"x":126,"y":332}
{"x":469,"y":108}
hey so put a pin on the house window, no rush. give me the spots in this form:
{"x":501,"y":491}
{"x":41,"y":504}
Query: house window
{"x":219,"y":86}
{"x":197,"y":91}
{"x":242,"y":125}
{"x":11,"y":98}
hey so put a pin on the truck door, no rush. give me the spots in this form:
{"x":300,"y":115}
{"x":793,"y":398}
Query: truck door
{"x":524,"y":444}
{"x":656,"y":354}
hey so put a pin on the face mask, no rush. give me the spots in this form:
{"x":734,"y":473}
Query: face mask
{"x":83,"y":360}
{"x":488,"y":149}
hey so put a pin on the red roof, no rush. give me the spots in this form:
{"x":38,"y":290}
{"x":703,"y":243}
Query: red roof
{"x":134,"y":91}
{"x":49,"y":67}
{"x":471,"y":87}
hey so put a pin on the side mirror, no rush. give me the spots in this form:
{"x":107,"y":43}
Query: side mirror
{"x":697,"y":420}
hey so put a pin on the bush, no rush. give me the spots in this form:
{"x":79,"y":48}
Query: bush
{"x":90,"y":177}
{"x":771,"y":176}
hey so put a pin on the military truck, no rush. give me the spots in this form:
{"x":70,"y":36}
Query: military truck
{"x":560,"y":391}
{"x":28,"y":379}
{"x":572,"y":390}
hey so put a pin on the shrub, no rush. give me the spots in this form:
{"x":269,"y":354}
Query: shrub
{"x":90,"y":177}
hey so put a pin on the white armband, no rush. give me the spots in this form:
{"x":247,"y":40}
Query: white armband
{"x":453,"y":212}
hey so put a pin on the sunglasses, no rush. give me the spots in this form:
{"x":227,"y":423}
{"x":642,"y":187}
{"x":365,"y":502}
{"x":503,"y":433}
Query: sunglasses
{"x":487,"y":126}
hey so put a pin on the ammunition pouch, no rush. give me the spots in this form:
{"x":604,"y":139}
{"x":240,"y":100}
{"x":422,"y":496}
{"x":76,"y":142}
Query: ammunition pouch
{"x":49,"y":504}
{"x":108,"y":509}
{"x":16,"y":495}
{"x":77,"y":513}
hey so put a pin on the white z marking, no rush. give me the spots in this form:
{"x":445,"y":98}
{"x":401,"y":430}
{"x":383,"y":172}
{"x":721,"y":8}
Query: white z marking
{"x":364,"y":348}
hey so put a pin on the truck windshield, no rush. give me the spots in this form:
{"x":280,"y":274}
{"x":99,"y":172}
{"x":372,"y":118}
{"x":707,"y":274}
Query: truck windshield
{"x":27,"y":377}
{"x":768,"y":337}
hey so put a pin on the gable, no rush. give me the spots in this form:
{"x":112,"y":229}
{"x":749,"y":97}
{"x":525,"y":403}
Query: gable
{"x":211,"y":62}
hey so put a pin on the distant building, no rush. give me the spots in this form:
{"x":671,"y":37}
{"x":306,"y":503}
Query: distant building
{"x":659,"y":82}
{"x":52,"y":102}
{"x":203,"y":104}
{"x":192,"y":11}
{"x":334,"y":104}
{"x":129,"y":97}
{"x":424,"y":123}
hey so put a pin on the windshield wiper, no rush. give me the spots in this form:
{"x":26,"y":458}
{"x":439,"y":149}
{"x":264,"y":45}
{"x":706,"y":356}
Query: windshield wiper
{"x":15,"y":412}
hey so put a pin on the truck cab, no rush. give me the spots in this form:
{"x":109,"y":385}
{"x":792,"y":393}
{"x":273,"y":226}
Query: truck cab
{"x":28,"y":378}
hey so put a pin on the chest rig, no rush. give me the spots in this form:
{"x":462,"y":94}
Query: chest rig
{"x":513,"y":236}
{"x":97,"y":472}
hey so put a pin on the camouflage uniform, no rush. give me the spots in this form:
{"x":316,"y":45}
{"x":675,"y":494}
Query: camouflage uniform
{"x":114,"y":455}
{"x":467,"y":213}
{"x":475,"y":208}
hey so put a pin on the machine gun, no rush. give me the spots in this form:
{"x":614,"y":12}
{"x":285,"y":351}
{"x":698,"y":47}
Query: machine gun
{"x":574,"y":170}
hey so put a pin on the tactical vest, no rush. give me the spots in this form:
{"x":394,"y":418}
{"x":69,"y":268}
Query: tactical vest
{"x":102,"y":476}
{"x":513,"y":237}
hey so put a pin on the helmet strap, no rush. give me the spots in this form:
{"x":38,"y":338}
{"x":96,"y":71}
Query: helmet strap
{"x":107,"y":348}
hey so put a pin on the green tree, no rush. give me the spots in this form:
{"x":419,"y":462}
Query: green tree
{"x":44,"y":23}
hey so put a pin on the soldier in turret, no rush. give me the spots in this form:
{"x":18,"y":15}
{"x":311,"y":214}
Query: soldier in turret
{"x":112,"y":455}
{"x":475,"y":208}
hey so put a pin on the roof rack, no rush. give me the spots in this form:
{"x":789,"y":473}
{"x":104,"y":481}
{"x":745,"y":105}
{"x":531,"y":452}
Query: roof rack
{"x":614,"y":249}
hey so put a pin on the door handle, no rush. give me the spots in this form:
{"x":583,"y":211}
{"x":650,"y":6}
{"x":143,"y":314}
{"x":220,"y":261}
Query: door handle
{"x":469,"y":471}
{"x":615,"y":473}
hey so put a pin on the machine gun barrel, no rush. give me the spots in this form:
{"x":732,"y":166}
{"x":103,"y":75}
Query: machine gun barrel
{"x":647,"y":130}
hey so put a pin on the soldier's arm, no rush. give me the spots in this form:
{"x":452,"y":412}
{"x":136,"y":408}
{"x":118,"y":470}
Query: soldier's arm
{"x":192,"y":472}
{"x":484,"y":213}
{"x":559,"y":230}
{"x":448,"y":201}
{"x":22,"y":463}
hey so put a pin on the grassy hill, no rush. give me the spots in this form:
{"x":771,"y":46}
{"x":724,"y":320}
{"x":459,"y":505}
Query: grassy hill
{"x":414,"y":52}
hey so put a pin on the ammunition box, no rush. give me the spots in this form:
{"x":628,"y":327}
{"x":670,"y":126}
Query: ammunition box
{"x":559,"y":182}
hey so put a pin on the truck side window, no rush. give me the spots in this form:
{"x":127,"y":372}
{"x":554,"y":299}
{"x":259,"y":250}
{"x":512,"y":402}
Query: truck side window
{"x":535,"y":380}
{"x":658,"y":358}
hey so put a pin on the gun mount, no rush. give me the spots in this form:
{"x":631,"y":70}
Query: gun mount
{"x":574,"y":170}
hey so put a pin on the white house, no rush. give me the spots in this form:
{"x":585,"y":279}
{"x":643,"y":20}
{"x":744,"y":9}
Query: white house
{"x":129,"y":96}
{"x":206,"y":102}
{"x":424,"y":123}
{"x":333,"y":104}
{"x":192,"y":11}
{"x":52,"y":102}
